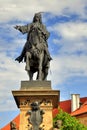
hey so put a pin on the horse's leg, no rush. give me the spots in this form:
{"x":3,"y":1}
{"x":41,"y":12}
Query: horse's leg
{"x":42,"y":75}
{"x":40,"y":66}
{"x":45,"y":71}
{"x":30,"y":74}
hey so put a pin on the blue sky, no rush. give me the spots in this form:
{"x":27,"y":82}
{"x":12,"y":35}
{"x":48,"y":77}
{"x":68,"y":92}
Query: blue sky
{"x":66,"y":20}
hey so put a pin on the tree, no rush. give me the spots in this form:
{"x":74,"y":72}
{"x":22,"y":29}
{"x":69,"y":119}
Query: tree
{"x":69,"y":123}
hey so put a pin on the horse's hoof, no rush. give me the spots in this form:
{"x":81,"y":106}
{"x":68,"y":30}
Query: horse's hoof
{"x":40,"y":79}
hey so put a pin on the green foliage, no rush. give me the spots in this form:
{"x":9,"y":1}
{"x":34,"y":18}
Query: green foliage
{"x":69,"y":123}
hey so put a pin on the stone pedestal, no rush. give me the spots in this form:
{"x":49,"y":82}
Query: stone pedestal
{"x":39,"y":91}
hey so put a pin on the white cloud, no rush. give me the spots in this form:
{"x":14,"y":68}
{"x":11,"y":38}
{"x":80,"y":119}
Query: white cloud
{"x":73,"y":37}
{"x":71,"y":30}
{"x":11,"y":74}
{"x":64,"y":67}
{"x":22,"y":10}
{"x":8,"y":104}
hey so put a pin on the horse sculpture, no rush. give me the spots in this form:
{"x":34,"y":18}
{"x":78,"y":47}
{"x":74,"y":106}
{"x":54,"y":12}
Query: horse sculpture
{"x":37,"y":61}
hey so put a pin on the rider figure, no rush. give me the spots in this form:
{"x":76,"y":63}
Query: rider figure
{"x":32,"y":37}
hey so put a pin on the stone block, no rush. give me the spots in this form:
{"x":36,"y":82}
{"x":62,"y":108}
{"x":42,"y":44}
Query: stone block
{"x":35,"y":85}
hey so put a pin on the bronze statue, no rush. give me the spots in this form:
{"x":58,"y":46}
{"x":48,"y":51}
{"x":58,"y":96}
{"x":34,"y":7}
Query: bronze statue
{"x":35,"y":51}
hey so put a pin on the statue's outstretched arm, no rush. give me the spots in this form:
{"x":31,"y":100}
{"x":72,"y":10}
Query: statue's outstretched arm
{"x":23,"y":29}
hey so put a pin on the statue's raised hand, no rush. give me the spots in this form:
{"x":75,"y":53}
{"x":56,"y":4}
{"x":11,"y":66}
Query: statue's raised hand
{"x":17,"y":27}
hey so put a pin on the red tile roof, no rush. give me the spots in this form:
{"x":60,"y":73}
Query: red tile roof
{"x":81,"y":110}
{"x":66,"y":106}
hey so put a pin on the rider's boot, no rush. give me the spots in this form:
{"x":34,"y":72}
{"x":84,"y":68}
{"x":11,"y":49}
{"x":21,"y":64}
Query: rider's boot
{"x":28,"y":56}
{"x":48,"y":54}
{"x":49,"y":57}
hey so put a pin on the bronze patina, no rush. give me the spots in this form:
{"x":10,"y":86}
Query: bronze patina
{"x":35,"y":51}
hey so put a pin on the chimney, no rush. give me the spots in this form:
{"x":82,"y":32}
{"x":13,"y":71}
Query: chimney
{"x":75,"y":101}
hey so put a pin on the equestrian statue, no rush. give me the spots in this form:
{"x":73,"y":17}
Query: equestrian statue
{"x":35,"y":51}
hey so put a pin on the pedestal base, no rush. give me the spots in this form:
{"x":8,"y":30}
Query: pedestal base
{"x":36,"y":91}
